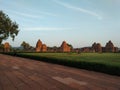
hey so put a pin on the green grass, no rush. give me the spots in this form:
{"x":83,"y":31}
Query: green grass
{"x":101,"y":62}
{"x":107,"y":58}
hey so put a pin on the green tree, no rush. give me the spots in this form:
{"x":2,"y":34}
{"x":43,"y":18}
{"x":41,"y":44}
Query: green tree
{"x":1,"y":47}
{"x":8,"y":28}
{"x":25,"y":45}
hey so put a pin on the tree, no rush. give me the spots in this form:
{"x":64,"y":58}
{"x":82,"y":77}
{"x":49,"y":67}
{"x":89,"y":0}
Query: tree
{"x":1,"y":47}
{"x":8,"y":28}
{"x":25,"y":45}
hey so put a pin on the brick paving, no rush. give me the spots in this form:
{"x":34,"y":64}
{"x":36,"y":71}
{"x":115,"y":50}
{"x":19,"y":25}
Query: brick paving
{"x":25,"y":74}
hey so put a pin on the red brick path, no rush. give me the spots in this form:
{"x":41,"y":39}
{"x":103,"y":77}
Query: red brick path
{"x":24,"y":74}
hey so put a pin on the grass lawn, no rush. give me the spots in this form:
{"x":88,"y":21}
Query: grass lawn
{"x":107,"y":58}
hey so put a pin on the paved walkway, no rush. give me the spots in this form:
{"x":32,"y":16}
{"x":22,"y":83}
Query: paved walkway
{"x":25,"y":74}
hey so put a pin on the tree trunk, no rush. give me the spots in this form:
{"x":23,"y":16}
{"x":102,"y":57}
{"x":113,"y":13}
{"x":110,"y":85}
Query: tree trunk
{"x":0,"y":41}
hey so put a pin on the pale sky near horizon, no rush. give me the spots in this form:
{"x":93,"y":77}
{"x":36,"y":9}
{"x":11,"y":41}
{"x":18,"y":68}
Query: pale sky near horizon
{"x":78,"y":22}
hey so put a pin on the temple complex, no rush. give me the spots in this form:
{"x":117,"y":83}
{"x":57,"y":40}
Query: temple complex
{"x":65,"y":47}
{"x":96,"y":47}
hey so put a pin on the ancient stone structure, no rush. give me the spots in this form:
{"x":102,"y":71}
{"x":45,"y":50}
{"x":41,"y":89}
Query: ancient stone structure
{"x":6,"y":47}
{"x":109,"y":47}
{"x":40,"y":47}
{"x":94,"y":46}
{"x":65,"y":47}
{"x":97,"y":47}
{"x":44,"y":48}
{"x":116,"y":49}
{"x":87,"y":49}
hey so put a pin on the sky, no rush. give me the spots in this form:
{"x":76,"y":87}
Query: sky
{"x":78,"y":22}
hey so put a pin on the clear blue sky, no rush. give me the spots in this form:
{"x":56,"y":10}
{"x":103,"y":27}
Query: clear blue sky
{"x":79,"y":22}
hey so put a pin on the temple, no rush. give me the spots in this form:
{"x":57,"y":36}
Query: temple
{"x":40,"y":47}
{"x":6,"y":47}
{"x":65,"y":47}
{"x":97,"y":47}
{"x":109,"y":47}
{"x":44,"y":48}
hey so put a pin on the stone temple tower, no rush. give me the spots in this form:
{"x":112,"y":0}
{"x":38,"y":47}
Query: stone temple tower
{"x":64,"y":47}
{"x":6,"y":47}
{"x":38,"y":45}
{"x":109,"y":47}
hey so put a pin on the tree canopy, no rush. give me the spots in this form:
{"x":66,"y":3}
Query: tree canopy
{"x":8,"y":28}
{"x":25,"y":45}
